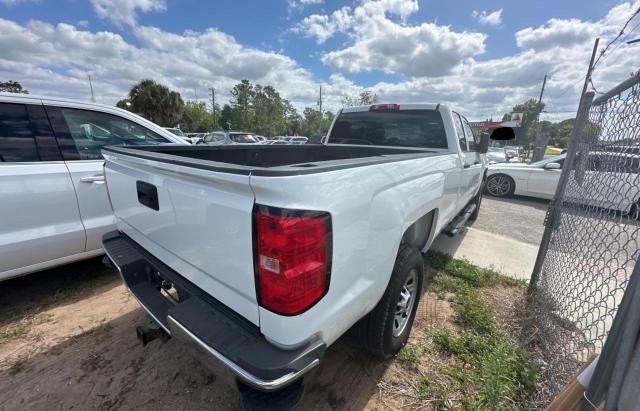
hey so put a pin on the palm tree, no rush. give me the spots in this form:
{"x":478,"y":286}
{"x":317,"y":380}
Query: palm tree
{"x":156,"y":102}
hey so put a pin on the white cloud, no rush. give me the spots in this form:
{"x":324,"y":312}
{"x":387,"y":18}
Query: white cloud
{"x":299,"y":5}
{"x":379,"y":42}
{"x":30,"y":53}
{"x":488,"y":19}
{"x":55,"y":60}
{"x":322,"y":26}
{"x":124,"y":12}
{"x":557,"y":33}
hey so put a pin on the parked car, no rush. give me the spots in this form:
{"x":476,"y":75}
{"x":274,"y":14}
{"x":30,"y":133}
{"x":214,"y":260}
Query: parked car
{"x":54,"y":205}
{"x":231,"y":137}
{"x":193,"y":138}
{"x":276,"y":251}
{"x":610,"y":180}
{"x":536,"y":180}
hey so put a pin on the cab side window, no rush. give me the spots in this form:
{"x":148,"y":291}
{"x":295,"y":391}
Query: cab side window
{"x":472,"y":141}
{"x":457,"y":121}
{"x":82,"y":133}
{"x":17,"y":139}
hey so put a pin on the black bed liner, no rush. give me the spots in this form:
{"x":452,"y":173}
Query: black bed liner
{"x":273,"y":160}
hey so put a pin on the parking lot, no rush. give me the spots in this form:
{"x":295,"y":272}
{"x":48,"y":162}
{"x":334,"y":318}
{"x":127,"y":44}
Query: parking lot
{"x":76,"y":346}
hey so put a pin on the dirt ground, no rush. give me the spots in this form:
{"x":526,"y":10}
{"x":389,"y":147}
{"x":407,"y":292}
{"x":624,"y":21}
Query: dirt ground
{"x":79,"y":350}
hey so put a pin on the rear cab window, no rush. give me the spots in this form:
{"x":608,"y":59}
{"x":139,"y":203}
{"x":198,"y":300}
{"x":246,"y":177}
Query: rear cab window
{"x":25,"y":134}
{"x":398,"y":128}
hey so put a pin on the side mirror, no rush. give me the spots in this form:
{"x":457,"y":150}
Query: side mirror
{"x":552,"y":166}
{"x":484,"y":142}
{"x":503,"y":133}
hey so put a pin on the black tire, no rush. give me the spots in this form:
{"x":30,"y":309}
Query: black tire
{"x":500,"y":180}
{"x":376,"y":330}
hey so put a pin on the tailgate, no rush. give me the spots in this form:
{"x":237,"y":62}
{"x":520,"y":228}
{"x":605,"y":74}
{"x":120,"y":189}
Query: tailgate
{"x":198,"y":222}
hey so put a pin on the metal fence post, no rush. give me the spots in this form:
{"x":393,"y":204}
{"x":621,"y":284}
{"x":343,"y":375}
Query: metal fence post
{"x":551,"y":220}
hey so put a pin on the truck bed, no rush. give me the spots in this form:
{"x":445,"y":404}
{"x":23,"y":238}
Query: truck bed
{"x":273,"y":160}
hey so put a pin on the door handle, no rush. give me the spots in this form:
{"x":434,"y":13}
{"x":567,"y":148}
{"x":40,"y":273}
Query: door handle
{"x":476,"y":163}
{"x":466,"y":166}
{"x":97,"y":178}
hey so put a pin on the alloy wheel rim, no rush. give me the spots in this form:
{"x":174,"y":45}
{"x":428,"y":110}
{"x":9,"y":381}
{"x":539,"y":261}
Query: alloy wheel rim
{"x":404,"y":305}
{"x":498,"y":186}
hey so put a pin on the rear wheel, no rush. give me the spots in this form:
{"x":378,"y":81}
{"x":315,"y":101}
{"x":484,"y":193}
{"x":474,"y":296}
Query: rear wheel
{"x":500,"y":185}
{"x":385,"y":330}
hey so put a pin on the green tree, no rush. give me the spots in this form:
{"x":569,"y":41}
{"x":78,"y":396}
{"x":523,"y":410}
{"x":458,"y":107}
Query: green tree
{"x":363,"y":98}
{"x":531,"y":110}
{"x":12,"y":87}
{"x":562,"y":133}
{"x":269,"y":113}
{"x":229,"y":118}
{"x":242,"y":99}
{"x":155,"y":102}
{"x":196,"y":118}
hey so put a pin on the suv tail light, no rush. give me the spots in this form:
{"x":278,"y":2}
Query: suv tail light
{"x":293,"y":258}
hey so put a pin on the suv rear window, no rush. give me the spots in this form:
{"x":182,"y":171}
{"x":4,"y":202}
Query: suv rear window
{"x":400,"y":128}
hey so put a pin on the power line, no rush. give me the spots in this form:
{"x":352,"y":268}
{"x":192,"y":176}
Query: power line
{"x":616,"y":38}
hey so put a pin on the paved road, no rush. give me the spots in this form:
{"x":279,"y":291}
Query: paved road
{"x":519,"y":218}
{"x":505,"y":237}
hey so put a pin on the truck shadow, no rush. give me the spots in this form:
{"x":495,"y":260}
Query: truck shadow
{"x":67,"y":282}
{"x":537,"y":203}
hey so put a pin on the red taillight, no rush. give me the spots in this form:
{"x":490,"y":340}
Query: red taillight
{"x":383,"y":107}
{"x":293,"y":259}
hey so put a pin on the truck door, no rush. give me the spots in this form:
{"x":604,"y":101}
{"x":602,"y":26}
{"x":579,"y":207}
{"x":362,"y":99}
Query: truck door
{"x":39,"y":217}
{"x":472,"y":164}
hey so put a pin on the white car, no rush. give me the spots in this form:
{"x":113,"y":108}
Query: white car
{"x":274,"y":252}
{"x":535,"y":180}
{"x":54,"y":207}
{"x":610,"y":180}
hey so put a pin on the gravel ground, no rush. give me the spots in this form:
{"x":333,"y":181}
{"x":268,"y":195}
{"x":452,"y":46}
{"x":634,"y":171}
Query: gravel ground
{"x":519,"y":218}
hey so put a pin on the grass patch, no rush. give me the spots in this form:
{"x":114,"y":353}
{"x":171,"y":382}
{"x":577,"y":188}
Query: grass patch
{"x":408,"y":355}
{"x":487,"y":369}
{"x":11,"y":332}
{"x":464,"y":276}
{"x":18,"y":365}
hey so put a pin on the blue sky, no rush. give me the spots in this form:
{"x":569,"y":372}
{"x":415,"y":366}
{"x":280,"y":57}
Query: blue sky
{"x":481,"y":56}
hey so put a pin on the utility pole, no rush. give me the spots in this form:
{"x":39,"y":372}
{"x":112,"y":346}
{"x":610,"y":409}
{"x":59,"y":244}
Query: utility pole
{"x":539,"y":144}
{"x":320,"y":100}
{"x":544,"y":83}
{"x":93,"y":97}
{"x":212,"y":93}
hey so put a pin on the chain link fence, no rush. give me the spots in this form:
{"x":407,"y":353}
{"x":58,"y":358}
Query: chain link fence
{"x":591,"y":243}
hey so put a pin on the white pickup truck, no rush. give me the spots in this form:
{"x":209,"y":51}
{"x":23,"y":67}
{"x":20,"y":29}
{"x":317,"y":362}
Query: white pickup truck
{"x":261,"y":256}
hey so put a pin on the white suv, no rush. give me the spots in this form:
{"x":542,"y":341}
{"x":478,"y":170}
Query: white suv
{"x":54,"y":207}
